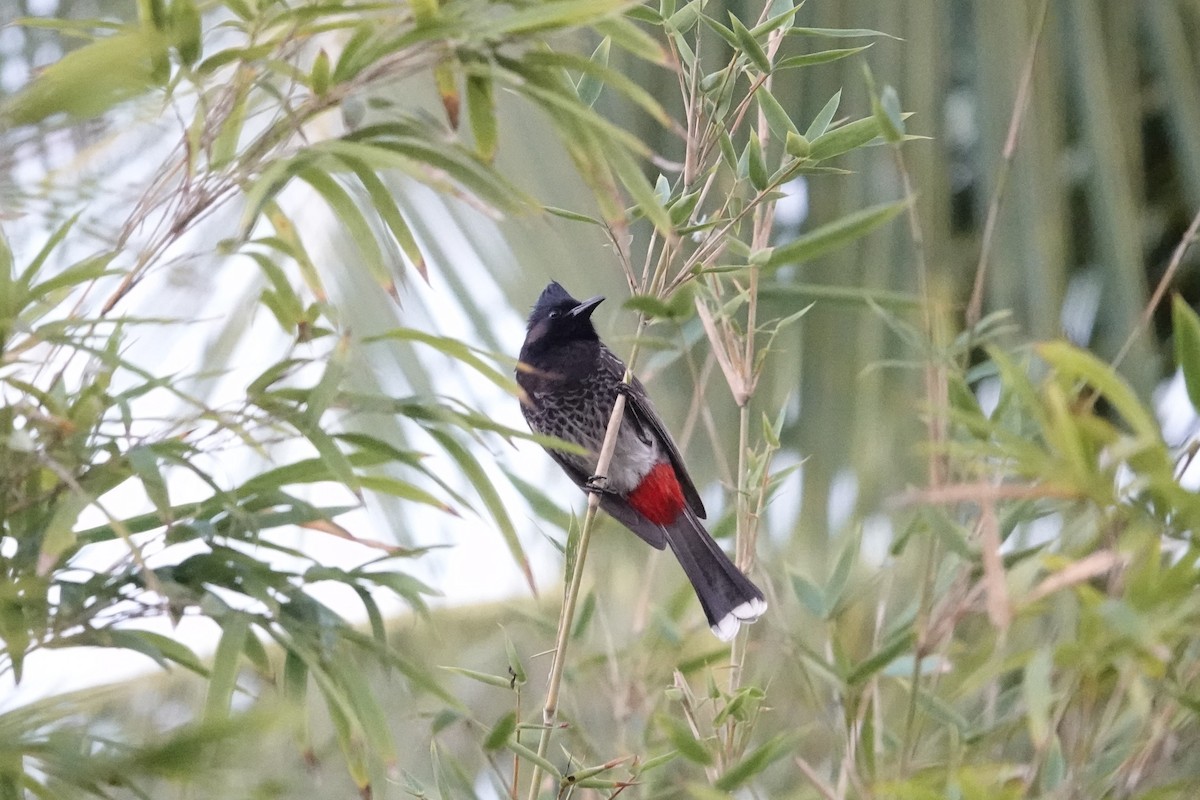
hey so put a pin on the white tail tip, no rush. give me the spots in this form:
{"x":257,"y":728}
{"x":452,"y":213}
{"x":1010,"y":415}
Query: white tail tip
{"x":747,"y":612}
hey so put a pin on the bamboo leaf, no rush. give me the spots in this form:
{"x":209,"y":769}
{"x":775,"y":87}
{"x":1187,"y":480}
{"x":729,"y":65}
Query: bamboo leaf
{"x":681,"y":738}
{"x":482,"y":677}
{"x":1185,"y":325}
{"x":778,"y":120}
{"x":750,"y":46}
{"x":840,"y":33}
{"x":481,"y":108}
{"x":755,"y":165}
{"x":555,"y":14}
{"x":514,"y":661}
{"x":385,"y":205}
{"x":844,"y":138}
{"x":532,"y":757}
{"x":886,"y":654}
{"x":90,"y":80}
{"x":222,"y":680}
{"x":590,"y":84}
{"x":820,"y":123}
{"x":822,"y":57}
{"x":491,"y":500}
{"x":357,"y":227}
{"x":1082,"y":365}
{"x":756,"y":761}
{"x":501,"y":732}
{"x":834,"y":234}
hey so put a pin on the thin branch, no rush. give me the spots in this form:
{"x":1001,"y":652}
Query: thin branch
{"x":567,"y":617}
{"x":1168,"y":277}
{"x":1020,"y":106}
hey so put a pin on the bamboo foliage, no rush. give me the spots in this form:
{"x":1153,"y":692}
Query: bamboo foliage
{"x":979,"y":550}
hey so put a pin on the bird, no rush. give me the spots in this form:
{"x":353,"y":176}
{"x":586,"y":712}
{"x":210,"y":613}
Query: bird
{"x":570,"y":381}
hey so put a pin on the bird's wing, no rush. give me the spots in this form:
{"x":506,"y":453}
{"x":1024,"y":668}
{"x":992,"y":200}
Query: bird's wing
{"x":646,"y":418}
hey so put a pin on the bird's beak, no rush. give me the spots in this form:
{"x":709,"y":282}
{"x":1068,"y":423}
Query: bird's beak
{"x":586,"y":308}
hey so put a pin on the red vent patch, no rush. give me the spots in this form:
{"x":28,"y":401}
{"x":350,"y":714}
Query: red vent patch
{"x":658,"y":497}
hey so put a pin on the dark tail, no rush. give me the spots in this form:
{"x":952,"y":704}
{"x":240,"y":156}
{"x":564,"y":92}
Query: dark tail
{"x":726,"y":595}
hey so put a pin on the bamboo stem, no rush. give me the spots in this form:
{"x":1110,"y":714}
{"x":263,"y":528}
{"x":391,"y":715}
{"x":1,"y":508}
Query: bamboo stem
{"x":567,"y":615}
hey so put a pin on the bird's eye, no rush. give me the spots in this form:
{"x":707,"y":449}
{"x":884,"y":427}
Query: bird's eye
{"x":553,"y":315}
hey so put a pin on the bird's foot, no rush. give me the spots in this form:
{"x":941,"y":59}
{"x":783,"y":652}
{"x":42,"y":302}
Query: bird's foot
{"x":597,"y":484}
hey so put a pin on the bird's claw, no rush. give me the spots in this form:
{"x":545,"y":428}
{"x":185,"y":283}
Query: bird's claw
{"x":597,"y":484}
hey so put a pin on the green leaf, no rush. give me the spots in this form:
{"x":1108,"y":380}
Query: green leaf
{"x":823,"y":57}
{"x":545,"y":506}
{"x":514,"y":661}
{"x":395,"y":487}
{"x":501,"y":732}
{"x":725,"y":33}
{"x":367,"y":709}
{"x":454,"y":348}
{"x":295,"y":677}
{"x":583,"y":617}
{"x":30,"y":272}
{"x":1186,"y":327}
{"x":844,"y":138}
{"x":320,"y":73}
{"x":809,"y":595}
{"x":779,"y":13}
{"x":574,"y":216}
{"x":1079,"y":364}
{"x":886,"y":654}
{"x":552,"y":15}
{"x":756,"y":761}
{"x":797,"y":145}
{"x":820,"y":123}
{"x":481,"y":108}
{"x":639,"y":188}
{"x":357,"y":228}
{"x":892,"y":129}
{"x":185,"y":27}
{"x":889,"y":102}
{"x":491,"y":500}
{"x":385,"y":205}
{"x":163,"y":649}
{"x":590,"y":84}
{"x":1038,"y":694}
{"x":834,"y":234}
{"x":76,"y":275}
{"x":59,"y":535}
{"x":840,"y":33}
{"x":222,"y":679}
{"x":727,"y":151}
{"x":145,"y":464}
{"x":681,"y":738}
{"x":10,"y":299}
{"x":532,"y":757}
{"x":625,"y":34}
{"x":756,"y":166}
{"x":483,"y":677}
{"x":92,"y":79}
{"x":597,"y":70}
{"x":750,"y":46}
{"x":840,"y":576}
{"x":777,"y":119}
{"x":678,"y":307}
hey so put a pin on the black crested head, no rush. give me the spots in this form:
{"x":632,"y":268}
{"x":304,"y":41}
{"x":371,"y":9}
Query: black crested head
{"x":559,"y":319}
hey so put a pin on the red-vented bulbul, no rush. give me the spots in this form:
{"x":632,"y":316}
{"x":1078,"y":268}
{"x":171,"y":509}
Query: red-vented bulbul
{"x":570,"y":382}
